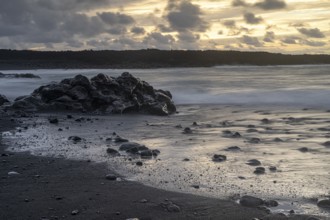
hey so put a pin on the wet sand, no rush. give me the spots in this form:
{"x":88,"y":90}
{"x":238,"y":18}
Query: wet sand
{"x":54,"y":188}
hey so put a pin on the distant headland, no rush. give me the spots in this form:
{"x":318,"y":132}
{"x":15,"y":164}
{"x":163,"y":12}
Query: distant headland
{"x":147,"y":58}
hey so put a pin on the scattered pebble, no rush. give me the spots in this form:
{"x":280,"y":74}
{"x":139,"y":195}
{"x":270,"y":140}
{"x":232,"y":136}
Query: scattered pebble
{"x":139,"y":163}
{"x":219,"y":158}
{"x":253,"y":162}
{"x":303,"y":149}
{"x":260,"y":170}
{"x":111,"y":177}
{"x":250,"y":201}
{"x":75,"y":212}
{"x":187,"y":130}
{"x":13,"y":173}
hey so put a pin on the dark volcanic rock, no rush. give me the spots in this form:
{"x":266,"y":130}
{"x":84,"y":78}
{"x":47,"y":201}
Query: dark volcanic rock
{"x":19,"y":75}
{"x":250,"y":201}
{"x":133,"y":148}
{"x":260,"y":170}
{"x":303,"y":149}
{"x":75,"y":139}
{"x":253,"y":162}
{"x":324,"y":203}
{"x":124,"y":94}
{"x":326,"y":144}
{"x":3,"y":99}
{"x":112,"y":152}
{"x":233,"y":148}
{"x":219,"y":158}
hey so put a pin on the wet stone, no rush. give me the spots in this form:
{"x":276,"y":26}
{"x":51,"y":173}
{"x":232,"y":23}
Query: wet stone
{"x":75,"y":212}
{"x":254,"y":140}
{"x":219,"y":158}
{"x":273,"y":168}
{"x":111,"y":177}
{"x":259,"y":170}
{"x":250,"y":201}
{"x":139,"y":163}
{"x":324,"y":203}
{"x":253,"y":162}
{"x":326,"y":144}
{"x":303,"y":149}
{"x":187,"y":130}
{"x":75,"y":139}
{"x":271,"y":203}
{"x":112,"y":152}
{"x":233,"y":148}
{"x":53,"y":120}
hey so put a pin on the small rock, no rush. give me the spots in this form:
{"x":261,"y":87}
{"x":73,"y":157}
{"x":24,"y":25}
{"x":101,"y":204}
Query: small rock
{"x":186,"y":159}
{"x":326,"y":144}
{"x":139,"y":163}
{"x":155,"y":153}
{"x":112,"y":152}
{"x":251,"y":130}
{"x":233,"y":148}
{"x":111,"y":177}
{"x":75,"y":212}
{"x":324,"y":203}
{"x":143,"y":201}
{"x":13,"y":173}
{"x":53,"y":120}
{"x":194,"y":124}
{"x":303,"y":149}
{"x":265,"y":121}
{"x":254,"y":162}
{"x":278,"y":140}
{"x":254,"y":140}
{"x":250,"y":201}
{"x":187,"y":130}
{"x":273,"y":168}
{"x":195,"y":186}
{"x":271,"y":203}
{"x":146,"y":154}
{"x":236,"y":135}
{"x":260,"y":170}
{"x":173,"y":208}
{"x":69,"y":117}
{"x":219,"y":158}
{"x":291,"y":211}
{"x":75,"y":139}
{"x":119,"y":139}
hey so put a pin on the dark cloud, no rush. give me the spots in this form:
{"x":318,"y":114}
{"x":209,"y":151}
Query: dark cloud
{"x":188,"y":37}
{"x":164,"y":29}
{"x":314,"y":43}
{"x":251,"y":41}
{"x":229,"y":23}
{"x":312,"y":32}
{"x":184,"y":16}
{"x":162,"y":40}
{"x":269,"y":37}
{"x":138,"y":30}
{"x":271,"y":4}
{"x":291,"y":40}
{"x":237,"y":3}
{"x":250,"y":18}
{"x":116,"y":18}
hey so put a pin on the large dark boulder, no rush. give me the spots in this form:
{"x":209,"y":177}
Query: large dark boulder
{"x":3,"y":99}
{"x":101,"y":94}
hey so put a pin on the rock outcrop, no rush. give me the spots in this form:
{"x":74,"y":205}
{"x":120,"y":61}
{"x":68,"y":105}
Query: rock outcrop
{"x":104,"y":94}
{"x":19,"y":75}
{"x":3,"y":99}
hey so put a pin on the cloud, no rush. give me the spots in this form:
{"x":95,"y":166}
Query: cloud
{"x":115,"y":18}
{"x":237,"y":3}
{"x":252,"y":41}
{"x":250,"y":18}
{"x":312,"y":32}
{"x":185,"y":16}
{"x":269,"y":37}
{"x":291,"y":40}
{"x":229,"y":23}
{"x":271,"y":4}
{"x":138,"y":30}
{"x":314,"y":43}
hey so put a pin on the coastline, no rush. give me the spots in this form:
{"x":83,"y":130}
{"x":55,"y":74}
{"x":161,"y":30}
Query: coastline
{"x":51,"y":188}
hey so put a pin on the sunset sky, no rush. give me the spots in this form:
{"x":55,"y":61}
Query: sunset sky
{"x":287,"y":26}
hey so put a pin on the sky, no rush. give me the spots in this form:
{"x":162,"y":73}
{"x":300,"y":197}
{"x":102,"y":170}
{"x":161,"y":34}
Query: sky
{"x":284,"y":26}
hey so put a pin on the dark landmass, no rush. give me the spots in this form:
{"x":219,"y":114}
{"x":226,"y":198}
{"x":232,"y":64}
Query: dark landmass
{"x":150,"y":58}
{"x":33,"y":187}
{"x":19,"y":75}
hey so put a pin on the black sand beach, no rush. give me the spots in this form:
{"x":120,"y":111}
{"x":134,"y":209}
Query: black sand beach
{"x":48,"y":188}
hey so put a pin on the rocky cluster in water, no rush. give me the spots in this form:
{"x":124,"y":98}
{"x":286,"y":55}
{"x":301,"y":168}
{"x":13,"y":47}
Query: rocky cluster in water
{"x":100,"y":94}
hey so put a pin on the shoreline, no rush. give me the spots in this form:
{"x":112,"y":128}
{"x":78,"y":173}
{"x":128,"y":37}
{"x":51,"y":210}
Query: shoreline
{"x":50,"y":188}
